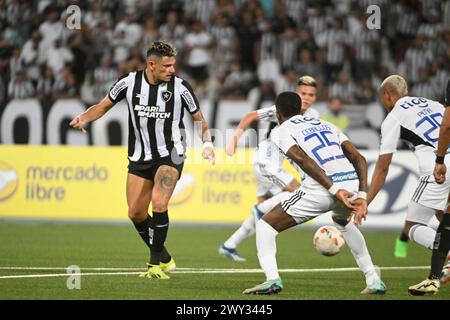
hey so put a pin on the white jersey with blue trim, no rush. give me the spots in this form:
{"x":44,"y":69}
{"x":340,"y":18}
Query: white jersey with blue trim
{"x":267,"y":152}
{"x":321,"y":141}
{"x":417,"y":121}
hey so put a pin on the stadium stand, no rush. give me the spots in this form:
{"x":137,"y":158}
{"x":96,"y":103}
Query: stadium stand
{"x":227,"y":48}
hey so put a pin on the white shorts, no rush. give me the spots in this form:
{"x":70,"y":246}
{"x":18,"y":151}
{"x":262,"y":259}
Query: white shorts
{"x":419,"y":214}
{"x":270,"y":181}
{"x":304,"y":206}
{"x":431,"y":194}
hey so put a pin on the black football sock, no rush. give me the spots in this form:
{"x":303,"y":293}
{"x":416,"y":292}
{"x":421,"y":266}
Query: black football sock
{"x":160,"y":227}
{"x":441,"y":246}
{"x":165,"y":255}
{"x":403,"y":237}
{"x":143,"y":230}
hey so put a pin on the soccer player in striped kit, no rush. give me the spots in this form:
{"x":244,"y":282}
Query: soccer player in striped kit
{"x":157,"y":100}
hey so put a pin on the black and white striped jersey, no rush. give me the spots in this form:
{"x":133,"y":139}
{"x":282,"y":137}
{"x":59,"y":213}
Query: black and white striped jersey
{"x":155,"y":115}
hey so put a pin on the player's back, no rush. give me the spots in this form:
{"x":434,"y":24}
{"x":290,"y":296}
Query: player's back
{"x":267,"y":152}
{"x":321,"y":141}
{"x":417,"y":121}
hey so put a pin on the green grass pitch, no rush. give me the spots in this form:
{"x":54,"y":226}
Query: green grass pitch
{"x":59,"y":245}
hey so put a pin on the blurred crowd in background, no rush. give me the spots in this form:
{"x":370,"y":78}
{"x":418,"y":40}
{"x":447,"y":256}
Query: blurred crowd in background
{"x":227,"y":49}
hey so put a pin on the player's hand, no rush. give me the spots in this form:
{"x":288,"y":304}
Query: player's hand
{"x":343,"y":195}
{"x":439,"y":172}
{"x":78,"y":123}
{"x":360,"y":212}
{"x":208,"y":153}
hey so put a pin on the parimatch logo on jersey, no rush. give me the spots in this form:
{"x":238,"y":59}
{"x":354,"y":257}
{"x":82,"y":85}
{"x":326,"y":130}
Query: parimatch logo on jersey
{"x":151,"y":112}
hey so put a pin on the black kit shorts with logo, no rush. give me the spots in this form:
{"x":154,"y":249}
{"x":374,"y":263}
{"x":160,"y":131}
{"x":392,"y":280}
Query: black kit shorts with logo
{"x":148,"y":170}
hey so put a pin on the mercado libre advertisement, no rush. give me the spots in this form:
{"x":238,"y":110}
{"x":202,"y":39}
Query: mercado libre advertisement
{"x":88,"y":183}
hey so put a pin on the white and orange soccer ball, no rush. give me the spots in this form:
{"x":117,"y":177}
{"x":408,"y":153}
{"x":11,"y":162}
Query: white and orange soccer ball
{"x":328,"y":241}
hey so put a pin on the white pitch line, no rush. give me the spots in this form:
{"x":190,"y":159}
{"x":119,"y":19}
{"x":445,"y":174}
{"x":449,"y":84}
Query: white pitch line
{"x":67,"y":275}
{"x":65,"y":268}
{"x":114,"y":269}
{"x":217,"y":269}
{"x":179,"y":271}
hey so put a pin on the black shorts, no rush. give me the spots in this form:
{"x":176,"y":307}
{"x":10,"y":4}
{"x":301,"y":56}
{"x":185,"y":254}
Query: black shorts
{"x":148,"y":170}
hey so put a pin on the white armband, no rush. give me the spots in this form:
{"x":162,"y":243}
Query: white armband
{"x":333,"y":190}
{"x":207,"y":144}
{"x":362,"y":195}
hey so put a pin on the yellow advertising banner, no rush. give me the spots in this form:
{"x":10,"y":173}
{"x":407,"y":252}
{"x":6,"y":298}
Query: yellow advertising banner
{"x":89,"y":183}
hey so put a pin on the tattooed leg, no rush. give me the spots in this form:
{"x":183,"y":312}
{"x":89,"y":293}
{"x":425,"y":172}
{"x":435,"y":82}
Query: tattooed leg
{"x":164,"y":184}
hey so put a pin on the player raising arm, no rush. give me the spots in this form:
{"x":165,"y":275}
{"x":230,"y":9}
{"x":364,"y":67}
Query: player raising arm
{"x":156,"y":98}
{"x":306,"y":89}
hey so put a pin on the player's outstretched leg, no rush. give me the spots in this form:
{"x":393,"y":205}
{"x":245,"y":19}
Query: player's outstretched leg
{"x":248,"y":227}
{"x":231,"y":253}
{"x":267,"y":229}
{"x":357,"y":244}
{"x":267,"y":248}
{"x":228,"y":248}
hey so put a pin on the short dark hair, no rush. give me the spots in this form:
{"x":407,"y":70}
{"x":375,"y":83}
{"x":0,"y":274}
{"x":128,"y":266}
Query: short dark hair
{"x":288,"y":104}
{"x":161,"y":49}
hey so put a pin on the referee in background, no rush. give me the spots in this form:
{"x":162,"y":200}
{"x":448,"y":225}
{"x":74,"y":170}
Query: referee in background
{"x":157,"y":100}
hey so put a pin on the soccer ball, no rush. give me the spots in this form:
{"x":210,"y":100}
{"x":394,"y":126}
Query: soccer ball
{"x":328,"y":241}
